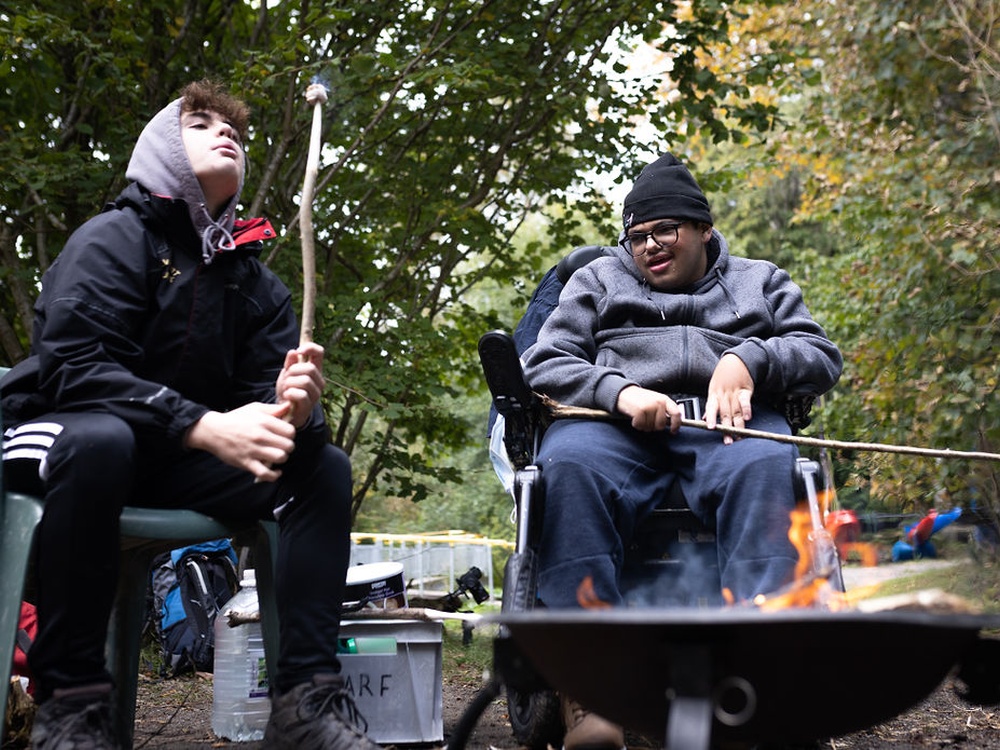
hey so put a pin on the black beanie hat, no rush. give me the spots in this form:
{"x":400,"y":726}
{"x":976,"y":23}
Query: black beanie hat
{"x":665,"y":189}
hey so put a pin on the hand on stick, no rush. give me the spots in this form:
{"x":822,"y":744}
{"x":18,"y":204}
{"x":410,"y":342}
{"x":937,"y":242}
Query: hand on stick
{"x":300,"y":382}
{"x":649,"y":410}
{"x":729,"y":394}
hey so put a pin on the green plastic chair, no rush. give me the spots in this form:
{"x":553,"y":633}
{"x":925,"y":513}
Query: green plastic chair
{"x":145,"y":533}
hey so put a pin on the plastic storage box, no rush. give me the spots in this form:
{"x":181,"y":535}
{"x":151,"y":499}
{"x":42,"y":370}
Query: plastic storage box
{"x":393,"y":671}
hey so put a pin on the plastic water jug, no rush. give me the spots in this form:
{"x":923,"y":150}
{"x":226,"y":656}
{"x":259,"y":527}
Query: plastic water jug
{"x":240,"y":702}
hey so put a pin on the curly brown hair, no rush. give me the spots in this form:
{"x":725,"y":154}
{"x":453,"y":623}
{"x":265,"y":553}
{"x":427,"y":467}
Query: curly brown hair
{"x":206,"y":95}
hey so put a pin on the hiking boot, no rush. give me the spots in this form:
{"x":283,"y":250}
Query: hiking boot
{"x":317,"y":715}
{"x":75,"y":719}
{"x":586,"y":730}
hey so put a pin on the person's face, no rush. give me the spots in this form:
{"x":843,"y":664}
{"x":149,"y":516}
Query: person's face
{"x":670,"y":265}
{"x":213,"y":148}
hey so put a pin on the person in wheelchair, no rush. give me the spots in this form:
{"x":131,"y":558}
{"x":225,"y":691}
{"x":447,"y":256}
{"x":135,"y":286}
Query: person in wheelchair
{"x":670,"y":316}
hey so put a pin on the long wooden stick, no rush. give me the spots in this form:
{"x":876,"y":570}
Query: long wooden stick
{"x":241,"y":617}
{"x":410,"y":613}
{"x":561,"y":411}
{"x":316,"y":96}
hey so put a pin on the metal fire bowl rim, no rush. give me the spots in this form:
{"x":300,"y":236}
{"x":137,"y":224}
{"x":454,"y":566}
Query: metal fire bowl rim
{"x":682,"y":616}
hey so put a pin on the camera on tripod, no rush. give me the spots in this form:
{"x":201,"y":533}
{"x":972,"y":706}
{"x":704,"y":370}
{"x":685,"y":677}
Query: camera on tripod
{"x":469,"y":583}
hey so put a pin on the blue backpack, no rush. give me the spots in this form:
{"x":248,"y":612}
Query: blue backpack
{"x":189,"y":586}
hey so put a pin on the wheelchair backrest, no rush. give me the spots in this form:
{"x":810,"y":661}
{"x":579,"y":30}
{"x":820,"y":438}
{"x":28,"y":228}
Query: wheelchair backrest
{"x":546,"y":295}
{"x":545,"y":298}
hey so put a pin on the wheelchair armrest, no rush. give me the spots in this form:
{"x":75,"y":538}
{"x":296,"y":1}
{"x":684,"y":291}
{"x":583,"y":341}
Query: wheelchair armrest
{"x":807,"y":476}
{"x":796,"y":407}
{"x":512,"y":397}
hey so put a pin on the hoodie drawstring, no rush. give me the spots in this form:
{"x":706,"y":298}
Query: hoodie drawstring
{"x":648,"y":291}
{"x":215,"y":239}
{"x":725,"y":290}
{"x":722,"y":284}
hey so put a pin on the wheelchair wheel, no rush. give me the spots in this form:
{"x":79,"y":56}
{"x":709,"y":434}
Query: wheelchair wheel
{"x":535,"y":718}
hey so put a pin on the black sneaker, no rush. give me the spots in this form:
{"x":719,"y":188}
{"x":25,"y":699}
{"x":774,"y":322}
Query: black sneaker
{"x":317,"y":715}
{"x":75,"y":719}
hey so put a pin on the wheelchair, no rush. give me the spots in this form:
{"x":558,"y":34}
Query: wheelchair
{"x":673,"y":540}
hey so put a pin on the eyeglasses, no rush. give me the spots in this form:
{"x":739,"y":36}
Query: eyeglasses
{"x":664,"y":235}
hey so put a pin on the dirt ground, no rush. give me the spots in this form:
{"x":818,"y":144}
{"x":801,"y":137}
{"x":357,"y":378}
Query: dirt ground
{"x":176,"y":713}
{"x":180,"y":718}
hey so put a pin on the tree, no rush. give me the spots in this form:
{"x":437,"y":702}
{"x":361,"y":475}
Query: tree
{"x":899,"y":138}
{"x":449,"y":122}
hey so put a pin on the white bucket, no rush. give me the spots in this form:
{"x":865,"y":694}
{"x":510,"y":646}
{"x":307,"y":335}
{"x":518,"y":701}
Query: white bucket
{"x":376,"y":586}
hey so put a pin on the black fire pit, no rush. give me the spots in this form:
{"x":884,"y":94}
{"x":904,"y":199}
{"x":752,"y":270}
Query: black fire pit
{"x":698,"y":678}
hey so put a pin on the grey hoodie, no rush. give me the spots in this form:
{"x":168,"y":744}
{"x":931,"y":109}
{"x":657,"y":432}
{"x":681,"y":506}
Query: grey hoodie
{"x":160,"y":164}
{"x":611,"y":330}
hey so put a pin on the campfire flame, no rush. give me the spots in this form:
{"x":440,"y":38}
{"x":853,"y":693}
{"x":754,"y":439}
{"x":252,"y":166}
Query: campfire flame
{"x":818,"y":562}
{"x":811,"y":586}
{"x":586,"y":595}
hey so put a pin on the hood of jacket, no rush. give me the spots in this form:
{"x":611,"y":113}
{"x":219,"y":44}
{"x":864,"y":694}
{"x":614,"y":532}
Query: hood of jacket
{"x":171,"y":218}
{"x":160,"y":164}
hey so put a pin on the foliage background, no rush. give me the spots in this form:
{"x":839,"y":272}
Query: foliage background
{"x":468,"y":145}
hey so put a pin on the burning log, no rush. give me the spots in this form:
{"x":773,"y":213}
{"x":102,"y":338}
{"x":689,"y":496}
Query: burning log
{"x":928,"y":601}
{"x":811,"y":590}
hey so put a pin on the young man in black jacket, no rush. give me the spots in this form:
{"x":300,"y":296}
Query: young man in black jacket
{"x":166,"y":371}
